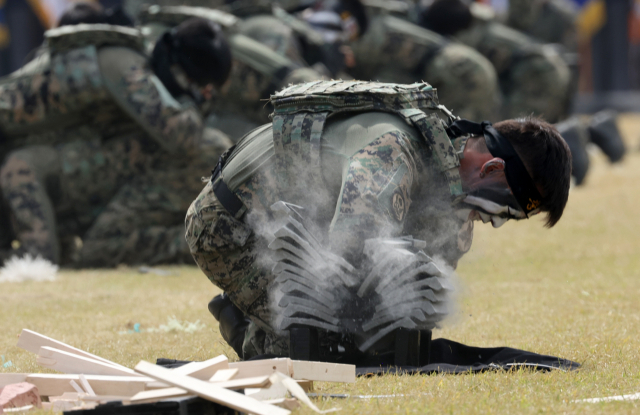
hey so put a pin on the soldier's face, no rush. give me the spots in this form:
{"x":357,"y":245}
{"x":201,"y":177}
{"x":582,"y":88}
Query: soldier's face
{"x":489,"y":197}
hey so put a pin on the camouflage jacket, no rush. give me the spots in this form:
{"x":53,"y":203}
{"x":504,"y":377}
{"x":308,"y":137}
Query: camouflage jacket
{"x":87,"y":83}
{"x":534,"y":78}
{"x":549,"y":21}
{"x":395,"y":50}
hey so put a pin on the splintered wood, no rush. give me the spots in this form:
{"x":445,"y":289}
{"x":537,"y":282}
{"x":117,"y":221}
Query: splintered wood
{"x":254,"y":387}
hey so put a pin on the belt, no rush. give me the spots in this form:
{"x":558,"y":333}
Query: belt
{"x":229,"y":200}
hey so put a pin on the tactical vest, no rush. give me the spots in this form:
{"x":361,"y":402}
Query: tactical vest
{"x":301,"y":111}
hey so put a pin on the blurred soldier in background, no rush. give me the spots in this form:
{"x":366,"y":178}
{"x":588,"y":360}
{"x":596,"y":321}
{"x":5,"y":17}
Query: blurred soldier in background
{"x":117,"y":115}
{"x":257,"y":71}
{"x":534,"y":79}
{"x":395,"y":50}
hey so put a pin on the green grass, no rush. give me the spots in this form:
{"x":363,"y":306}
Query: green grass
{"x":572,"y":291}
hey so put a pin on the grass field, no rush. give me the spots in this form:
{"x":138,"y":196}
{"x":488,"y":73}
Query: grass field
{"x":572,"y":291}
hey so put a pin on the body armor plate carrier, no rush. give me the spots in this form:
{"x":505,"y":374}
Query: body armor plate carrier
{"x":302,"y":110}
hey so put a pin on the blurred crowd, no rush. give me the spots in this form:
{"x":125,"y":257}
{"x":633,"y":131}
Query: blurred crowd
{"x":113,"y":121}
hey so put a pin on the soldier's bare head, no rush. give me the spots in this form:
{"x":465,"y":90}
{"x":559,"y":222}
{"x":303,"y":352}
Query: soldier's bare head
{"x":446,"y":17}
{"x":543,"y":152}
{"x":93,"y":13}
{"x":83,"y":12}
{"x":192,"y":56}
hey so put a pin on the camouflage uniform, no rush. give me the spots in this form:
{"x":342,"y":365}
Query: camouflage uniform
{"x":375,"y":176}
{"x":534,"y":78}
{"x":257,"y":71}
{"x":550,"y":21}
{"x":395,"y":50}
{"x":87,"y":72}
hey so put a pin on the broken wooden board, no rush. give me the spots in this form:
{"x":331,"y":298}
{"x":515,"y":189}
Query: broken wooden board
{"x":297,"y":369}
{"x":65,"y":362}
{"x":223,"y":375}
{"x":287,"y":403}
{"x":56,"y":385}
{"x":322,"y":371}
{"x":32,"y":342}
{"x":209,"y":391}
{"x":203,"y":370}
{"x":265,"y":367}
{"x":157,"y":395}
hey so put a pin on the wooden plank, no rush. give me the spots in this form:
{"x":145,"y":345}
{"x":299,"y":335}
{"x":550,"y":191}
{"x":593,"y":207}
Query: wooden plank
{"x":56,"y":385}
{"x":209,"y":391}
{"x":203,"y":370}
{"x":223,"y":375}
{"x":322,"y":371}
{"x":86,"y":386}
{"x":32,"y":342}
{"x":265,"y":367}
{"x":66,"y":362}
{"x":255,"y":382}
{"x":157,"y":395}
{"x":11,"y":378}
{"x":291,"y":403}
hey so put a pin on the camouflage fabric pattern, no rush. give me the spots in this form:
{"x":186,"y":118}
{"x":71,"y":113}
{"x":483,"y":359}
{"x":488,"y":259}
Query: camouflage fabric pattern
{"x":59,"y":190}
{"x":52,"y":92}
{"x":550,"y":21}
{"x":297,"y":137}
{"x":176,"y":128}
{"x":467,"y":83}
{"x":277,"y":36}
{"x":394,"y":50}
{"x":533,"y":78}
{"x":144,"y":222}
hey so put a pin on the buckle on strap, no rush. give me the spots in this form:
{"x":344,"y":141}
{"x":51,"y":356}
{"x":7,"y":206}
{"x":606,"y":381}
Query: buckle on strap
{"x":229,"y":200}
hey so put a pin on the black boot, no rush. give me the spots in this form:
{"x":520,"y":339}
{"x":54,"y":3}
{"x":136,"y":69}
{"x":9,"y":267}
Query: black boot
{"x":575,"y":134}
{"x":233,"y":323}
{"x":605,"y":134}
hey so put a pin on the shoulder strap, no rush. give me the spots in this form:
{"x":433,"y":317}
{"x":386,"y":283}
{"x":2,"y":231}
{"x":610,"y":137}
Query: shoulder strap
{"x":174,"y":15}
{"x":76,"y":36}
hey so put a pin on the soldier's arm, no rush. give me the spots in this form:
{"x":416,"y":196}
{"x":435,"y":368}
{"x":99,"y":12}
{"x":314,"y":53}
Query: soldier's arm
{"x":375,"y":195}
{"x":174,"y":126}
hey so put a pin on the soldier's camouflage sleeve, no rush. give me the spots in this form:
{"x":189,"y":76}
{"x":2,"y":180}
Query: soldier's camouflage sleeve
{"x":376,"y":193}
{"x":174,"y":126}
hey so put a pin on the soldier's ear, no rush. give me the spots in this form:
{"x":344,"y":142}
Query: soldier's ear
{"x":496,"y":164}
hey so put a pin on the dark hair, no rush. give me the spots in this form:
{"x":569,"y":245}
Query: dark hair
{"x":356,"y":9}
{"x":201,"y":50}
{"x":117,"y":16}
{"x":446,"y":17}
{"x":83,"y":12}
{"x":94,"y":13}
{"x":547,"y":158}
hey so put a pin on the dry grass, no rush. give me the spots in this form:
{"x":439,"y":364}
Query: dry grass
{"x":571,"y":291}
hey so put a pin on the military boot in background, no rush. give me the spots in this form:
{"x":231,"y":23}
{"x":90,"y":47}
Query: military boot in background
{"x":574,"y":131}
{"x":604,"y":133}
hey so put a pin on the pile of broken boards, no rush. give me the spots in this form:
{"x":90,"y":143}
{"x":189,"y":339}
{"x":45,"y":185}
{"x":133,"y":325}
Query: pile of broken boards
{"x":94,"y":385}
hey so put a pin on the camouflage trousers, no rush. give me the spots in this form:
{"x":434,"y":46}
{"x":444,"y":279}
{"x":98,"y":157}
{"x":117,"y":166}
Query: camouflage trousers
{"x":142,"y":224}
{"x":228,"y":252}
{"x":22,"y":180}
